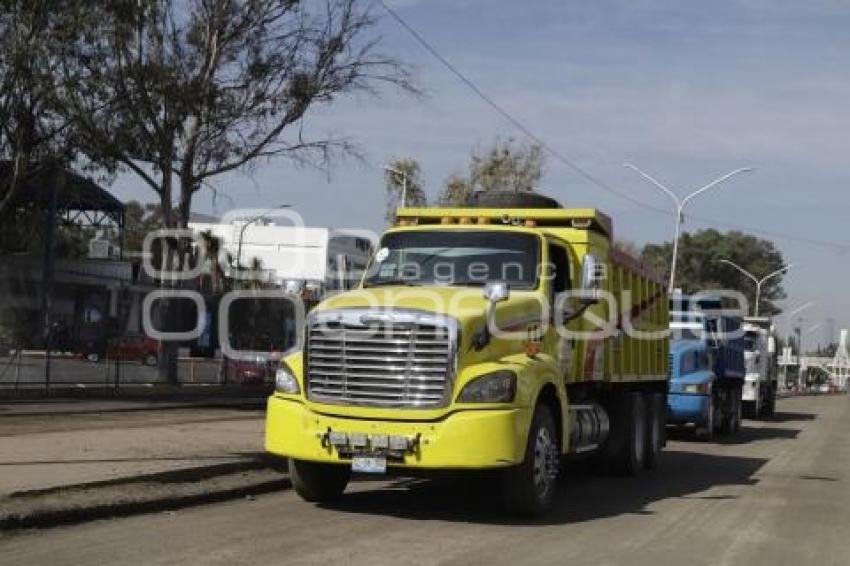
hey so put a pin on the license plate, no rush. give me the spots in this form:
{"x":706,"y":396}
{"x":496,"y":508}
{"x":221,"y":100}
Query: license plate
{"x":369,"y":464}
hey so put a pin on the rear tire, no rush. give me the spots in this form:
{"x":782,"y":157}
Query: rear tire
{"x":625,"y":452}
{"x":656,"y":429}
{"x":318,"y":482}
{"x":530,"y":488}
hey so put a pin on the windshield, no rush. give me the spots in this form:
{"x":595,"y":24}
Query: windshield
{"x":456,"y":258}
{"x":751,"y":341}
{"x":687,"y":333}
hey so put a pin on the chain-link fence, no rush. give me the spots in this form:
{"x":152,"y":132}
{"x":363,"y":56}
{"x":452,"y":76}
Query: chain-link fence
{"x":113,"y":327}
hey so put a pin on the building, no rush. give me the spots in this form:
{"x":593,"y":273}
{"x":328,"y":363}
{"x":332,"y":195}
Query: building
{"x":322,"y":259}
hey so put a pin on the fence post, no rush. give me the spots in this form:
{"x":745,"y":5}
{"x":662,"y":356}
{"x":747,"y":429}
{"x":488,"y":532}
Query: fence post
{"x":18,"y":368}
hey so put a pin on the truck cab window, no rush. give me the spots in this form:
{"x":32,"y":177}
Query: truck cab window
{"x":558,"y":271}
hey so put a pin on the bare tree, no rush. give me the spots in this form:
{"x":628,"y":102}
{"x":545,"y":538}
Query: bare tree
{"x":505,"y":166}
{"x":456,"y":191}
{"x":182,"y":92}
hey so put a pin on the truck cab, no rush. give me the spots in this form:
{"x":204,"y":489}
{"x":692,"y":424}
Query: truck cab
{"x":486,"y":338}
{"x":761,"y":381}
{"x":706,"y":367}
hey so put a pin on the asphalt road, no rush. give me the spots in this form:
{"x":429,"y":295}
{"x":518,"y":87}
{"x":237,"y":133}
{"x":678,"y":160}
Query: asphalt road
{"x":775,"y":494}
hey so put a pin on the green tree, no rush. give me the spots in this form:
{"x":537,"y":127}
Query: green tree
{"x":35,"y":128}
{"x":700,"y":267}
{"x":140,"y":220}
{"x":506,"y":166}
{"x":404,"y":176}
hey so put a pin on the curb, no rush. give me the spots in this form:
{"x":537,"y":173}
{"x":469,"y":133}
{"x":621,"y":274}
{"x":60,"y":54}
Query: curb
{"x":191,"y":481}
{"x":247,"y":404}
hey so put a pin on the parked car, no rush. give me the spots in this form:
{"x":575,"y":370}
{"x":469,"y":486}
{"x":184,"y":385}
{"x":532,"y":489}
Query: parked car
{"x":249,"y":372}
{"x":139,"y":348}
{"x":91,"y":349}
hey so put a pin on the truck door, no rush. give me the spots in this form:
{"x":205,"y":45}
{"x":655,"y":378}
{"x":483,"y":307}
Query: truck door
{"x":558,"y":273}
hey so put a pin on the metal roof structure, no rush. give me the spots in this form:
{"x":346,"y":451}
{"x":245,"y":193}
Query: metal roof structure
{"x":79,"y":200}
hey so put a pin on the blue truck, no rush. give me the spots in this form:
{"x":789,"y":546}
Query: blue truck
{"x":707,"y":367}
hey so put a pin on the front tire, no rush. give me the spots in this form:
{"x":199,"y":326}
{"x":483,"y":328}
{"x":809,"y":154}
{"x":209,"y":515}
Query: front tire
{"x":737,"y":409}
{"x":705,"y":431}
{"x":316,"y":482}
{"x":530,"y":488}
{"x":770,"y":406}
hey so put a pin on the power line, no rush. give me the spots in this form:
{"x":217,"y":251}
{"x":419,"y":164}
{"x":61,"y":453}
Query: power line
{"x":519,"y":125}
{"x":509,"y":117}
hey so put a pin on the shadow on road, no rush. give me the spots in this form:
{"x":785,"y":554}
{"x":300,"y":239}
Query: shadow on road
{"x":582,"y":496}
{"x":787,"y":417}
{"x":749,"y":434}
{"x":746,"y":435}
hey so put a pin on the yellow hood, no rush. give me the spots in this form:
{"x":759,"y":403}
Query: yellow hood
{"x":465,"y":304}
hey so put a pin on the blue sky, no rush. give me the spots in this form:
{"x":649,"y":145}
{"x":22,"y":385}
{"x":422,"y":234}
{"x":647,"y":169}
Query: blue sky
{"x":686,"y":89}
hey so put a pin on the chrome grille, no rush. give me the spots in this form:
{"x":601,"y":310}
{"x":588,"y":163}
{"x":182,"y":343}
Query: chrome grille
{"x":390,"y":359}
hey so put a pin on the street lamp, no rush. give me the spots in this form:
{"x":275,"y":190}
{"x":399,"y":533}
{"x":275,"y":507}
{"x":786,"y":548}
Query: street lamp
{"x":755,"y":279}
{"x":680,"y":206}
{"x":403,"y":176}
{"x":248,"y":223}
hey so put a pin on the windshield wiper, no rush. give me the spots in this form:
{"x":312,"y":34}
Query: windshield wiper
{"x":386,"y":282}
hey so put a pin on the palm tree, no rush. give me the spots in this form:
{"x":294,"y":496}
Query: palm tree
{"x":212,"y":249}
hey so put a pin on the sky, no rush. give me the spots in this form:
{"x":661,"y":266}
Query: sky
{"x":686,"y":89}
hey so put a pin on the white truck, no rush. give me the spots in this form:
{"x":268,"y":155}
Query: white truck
{"x":760,"y":381}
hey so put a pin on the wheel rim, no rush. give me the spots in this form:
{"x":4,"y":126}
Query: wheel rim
{"x":545,"y":461}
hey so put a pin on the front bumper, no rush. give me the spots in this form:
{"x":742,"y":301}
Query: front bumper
{"x":687,"y":408}
{"x":470,"y":439}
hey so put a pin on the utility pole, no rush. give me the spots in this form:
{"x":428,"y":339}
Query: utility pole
{"x":403,"y":176}
{"x":680,"y":207}
{"x":248,"y":223}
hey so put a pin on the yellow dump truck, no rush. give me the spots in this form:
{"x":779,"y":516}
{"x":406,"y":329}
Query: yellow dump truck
{"x":498,"y":338}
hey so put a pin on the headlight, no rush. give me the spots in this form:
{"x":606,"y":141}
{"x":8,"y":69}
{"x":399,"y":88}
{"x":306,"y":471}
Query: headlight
{"x":496,"y":387}
{"x":697,"y":388}
{"x":284,"y":380}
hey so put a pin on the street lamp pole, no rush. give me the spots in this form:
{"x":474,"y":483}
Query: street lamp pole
{"x":756,"y":280}
{"x":403,"y":176}
{"x":680,"y":206}
{"x":248,"y":223}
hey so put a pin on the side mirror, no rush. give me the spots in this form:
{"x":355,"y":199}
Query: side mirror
{"x":496,"y":292}
{"x":592,"y":275}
